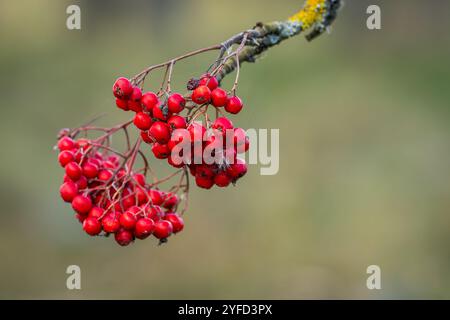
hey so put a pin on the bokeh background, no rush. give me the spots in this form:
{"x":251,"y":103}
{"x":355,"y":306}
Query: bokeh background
{"x":364,"y":176}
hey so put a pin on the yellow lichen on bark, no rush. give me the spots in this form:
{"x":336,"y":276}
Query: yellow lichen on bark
{"x":311,"y":13}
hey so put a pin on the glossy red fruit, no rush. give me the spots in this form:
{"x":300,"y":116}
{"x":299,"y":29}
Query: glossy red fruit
{"x":73,"y":170}
{"x":124,"y":237}
{"x":139,"y":178}
{"x":160,"y":131}
{"x":81,"y":204}
{"x":122,"y":104}
{"x":143,"y":228}
{"x":237,"y":169}
{"x":176,"y":221}
{"x":146,"y":137}
{"x":142,"y":121}
{"x":209,"y":81}
{"x":136,"y":95}
{"x":197,"y":132}
{"x":149,"y":100}
{"x":104,"y":175}
{"x":161,"y":151}
{"x":156,"y":197}
{"x":176,"y":103}
{"x":204,"y":182}
{"x":82,"y":143}
{"x":68,"y":191}
{"x":219,"y":97}
{"x":122,"y":88}
{"x":222,"y":124}
{"x":201,"y":95}
{"x":65,"y":157}
{"x":128,"y":220}
{"x":241,"y":141}
{"x":163,"y":229}
{"x":161,"y":112}
{"x":222,"y":179}
{"x":177,"y":122}
{"x":92,"y":226}
{"x":234,"y":105}
{"x":96,"y":212}
{"x":66,"y":143}
{"x":90,"y":170}
{"x":170,"y":200}
{"x":82,"y":183}
{"x":111,"y":222}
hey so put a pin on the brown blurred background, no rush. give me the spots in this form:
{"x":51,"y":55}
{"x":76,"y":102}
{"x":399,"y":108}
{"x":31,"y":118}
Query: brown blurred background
{"x":364,"y":177}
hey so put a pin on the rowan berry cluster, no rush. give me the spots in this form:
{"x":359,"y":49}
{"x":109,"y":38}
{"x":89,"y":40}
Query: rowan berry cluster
{"x":209,"y":149}
{"x":109,"y":198}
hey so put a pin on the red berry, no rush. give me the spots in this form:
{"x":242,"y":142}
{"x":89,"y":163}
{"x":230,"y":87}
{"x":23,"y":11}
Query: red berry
{"x":82,"y":183}
{"x":136,"y":95}
{"x":66,"y":143}
{"x":140,"y":179}
{"x":81,"y":204}
{"x":237,"y":169}
{"x":222,"y":179}
{"x":204,"y":182}
{"x":68,"y":191}
{"x":128,"y":220}
{"x":160,"y":131}
{"x":209,"y":81}
{"x":149,"y":100}
{"x":156,"y":197}
{"x":142,"y":121}
{"x":82,"y":143}
{"x":219,"y":97}
{"x":176,"y":221}
{"x":65,"y":157}
{"x":201,"y":95}
{"x":90,"y":170}
{"x":176,"y":103}
{"x":161,"y":151}
{"x":170,"y":201}
{"x":111,"y":222}
{"x":223,"y":124}
{"x":234,"y":105}
{"x":161,"y":112}
{"x":122,"y":104}
{"x":92,"y":226}
{"x":73,"y":170}
{"x":145,"y":137}
{"x":143,"y":228}
{"x":163,"y":229}
{"x":122,"y":88}
{"x":124,"y":237}
{"x":177,"y":122}
{"x":197,"y":132}
{"x":104,"y":175}
{"x":96,"y":212}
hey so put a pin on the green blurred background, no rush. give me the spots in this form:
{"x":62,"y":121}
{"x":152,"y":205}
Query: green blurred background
{"x":364,"y":176}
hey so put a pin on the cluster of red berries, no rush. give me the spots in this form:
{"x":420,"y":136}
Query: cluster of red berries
{"x":164,"y":128}
{"x":109,"y":199}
